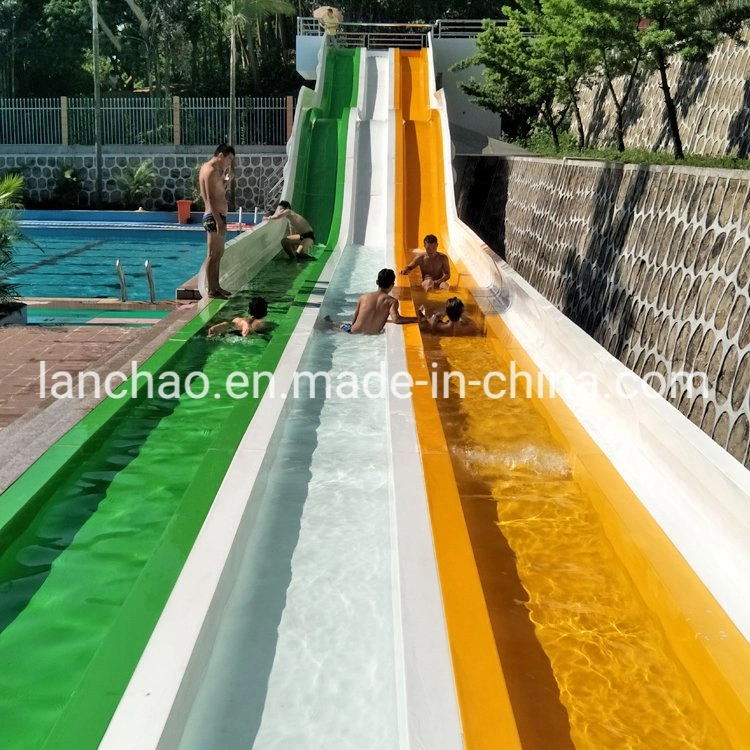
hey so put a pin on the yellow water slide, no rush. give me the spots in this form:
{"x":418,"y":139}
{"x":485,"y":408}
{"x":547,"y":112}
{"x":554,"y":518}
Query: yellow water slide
{"x":573,"y":620}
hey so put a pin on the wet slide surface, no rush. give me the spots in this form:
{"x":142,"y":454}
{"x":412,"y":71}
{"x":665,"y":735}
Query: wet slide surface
{"x":304,"y":656}
{"x":576,"y":642}
{"x":88,"y":562}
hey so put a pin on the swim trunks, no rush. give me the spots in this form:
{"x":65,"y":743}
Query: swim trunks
{"x":209,"y":222}
{"x":346,"y":327}
{"x":307,"y":236}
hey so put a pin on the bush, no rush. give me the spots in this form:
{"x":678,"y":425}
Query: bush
{"x":540,"y":143}
{"x":137,"y":183}
{"x":68,"y":185}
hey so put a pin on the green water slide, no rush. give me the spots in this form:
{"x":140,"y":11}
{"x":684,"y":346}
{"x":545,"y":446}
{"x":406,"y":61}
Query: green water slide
{"x":319,"y":178}
{"x":95,"y":533}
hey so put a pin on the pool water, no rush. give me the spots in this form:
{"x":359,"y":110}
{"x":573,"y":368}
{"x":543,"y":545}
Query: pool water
{"x":80,"y":263}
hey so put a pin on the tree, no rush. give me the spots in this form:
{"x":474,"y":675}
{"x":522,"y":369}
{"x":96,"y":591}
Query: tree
{"x":505,"y":53}
{"x":689,"y":28}
{"x":11,"y":186}
{"x":559,"y":28}
{"x":246,"y":20}
{"x":62,"y":38}
{"x":534,"y":64}
{"x":611,"y":29}
{"x":11,"y":38}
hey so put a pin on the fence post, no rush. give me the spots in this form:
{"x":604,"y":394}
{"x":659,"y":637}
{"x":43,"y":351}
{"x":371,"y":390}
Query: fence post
{"x":289,"y":116}
{"x":64,"y":119}
{"x":176,"y":120}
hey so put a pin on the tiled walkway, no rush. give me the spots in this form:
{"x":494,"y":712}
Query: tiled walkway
{"x":24,"y":350}
{"x":29,"y":423}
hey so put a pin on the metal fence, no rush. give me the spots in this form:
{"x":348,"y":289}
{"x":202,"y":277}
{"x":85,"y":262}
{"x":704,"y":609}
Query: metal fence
{"x":145,"y":121}
{"x":258,"y":121}
{"x":371,"y":35}
{"x":30,"y":121}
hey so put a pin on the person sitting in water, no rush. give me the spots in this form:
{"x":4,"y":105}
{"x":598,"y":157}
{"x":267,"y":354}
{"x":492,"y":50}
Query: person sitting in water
{"x":435,"y":268}
{"x":254,"y":323}
{"x":457,"y":324}
{"x":297,"y":244}
{"x":374,"y":309}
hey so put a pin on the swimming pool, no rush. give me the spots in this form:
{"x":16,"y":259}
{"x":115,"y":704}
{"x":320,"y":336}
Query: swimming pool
{"x":80,"y":262}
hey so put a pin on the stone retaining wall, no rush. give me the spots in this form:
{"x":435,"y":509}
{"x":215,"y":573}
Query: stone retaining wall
{"x":259,"y":176}
{"x":712,"y":100}
{"x":653,"y":262}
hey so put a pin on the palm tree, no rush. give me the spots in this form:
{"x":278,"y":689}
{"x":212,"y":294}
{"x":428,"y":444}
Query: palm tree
{"x":11,"y":186}
{"x":248,"y":15}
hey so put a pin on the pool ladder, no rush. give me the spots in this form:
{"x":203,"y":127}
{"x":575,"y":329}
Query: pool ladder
{"x":124,"y":284}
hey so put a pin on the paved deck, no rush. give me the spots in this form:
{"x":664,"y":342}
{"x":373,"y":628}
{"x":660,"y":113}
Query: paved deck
{"x":29,"y":423}
{"x":26,"y":350}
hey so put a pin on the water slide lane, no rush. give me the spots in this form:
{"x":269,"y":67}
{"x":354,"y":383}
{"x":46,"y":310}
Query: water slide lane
{"x":95,"y":533}
{"x":486,"y":712}
{"x":304,"y":655}
{"x":612,"y":602}
{"x":319,"y":173}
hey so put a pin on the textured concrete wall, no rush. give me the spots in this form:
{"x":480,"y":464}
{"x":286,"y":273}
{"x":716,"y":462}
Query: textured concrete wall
{"x":259,"y":176}
{"x":653,"y":262}
{"x":713,"y":106}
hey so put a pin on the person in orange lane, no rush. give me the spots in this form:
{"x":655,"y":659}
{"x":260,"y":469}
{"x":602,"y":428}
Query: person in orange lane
{"x":374,"y":309}
{"x":457,"y":324}
{"x":434,"y":266}
{"x":212,"y":180}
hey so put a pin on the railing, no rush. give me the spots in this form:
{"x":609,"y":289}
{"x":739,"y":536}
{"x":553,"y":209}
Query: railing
{"x":371,"y":35}
{"x":146,"y":120}
{"x":30,"y":121}
{"x":261,"y":121}
{"x":395,"y":34}
{"x":461,"y":29}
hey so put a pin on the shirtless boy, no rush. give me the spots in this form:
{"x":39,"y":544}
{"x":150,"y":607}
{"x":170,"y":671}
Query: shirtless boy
{"x":255,"y":322}
{"x":457,"y":324}
{"x":434,"y":266}
{"x":375,"y":308}
{"x":212,"y":180}
{"x":298,"y":243}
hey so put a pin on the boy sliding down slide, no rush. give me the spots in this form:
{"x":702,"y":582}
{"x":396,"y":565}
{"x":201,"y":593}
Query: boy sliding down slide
{"x":434,"y":265}
{"x":375,"y":308}
{"x":254,"y":323}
